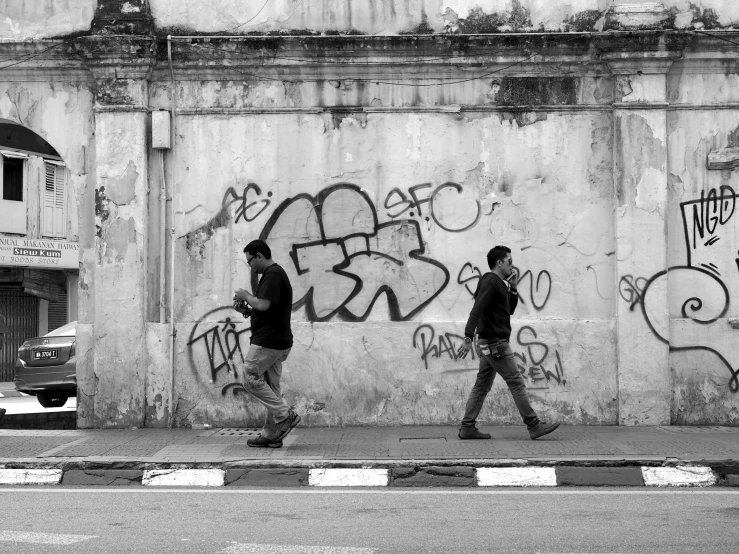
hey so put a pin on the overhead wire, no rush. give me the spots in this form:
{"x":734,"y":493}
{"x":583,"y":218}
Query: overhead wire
{"x":22,"y":59}
{"x":702,"y":32}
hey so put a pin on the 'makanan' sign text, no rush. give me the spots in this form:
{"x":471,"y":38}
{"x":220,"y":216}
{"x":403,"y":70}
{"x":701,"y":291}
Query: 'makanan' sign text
{"x":53,"y":254}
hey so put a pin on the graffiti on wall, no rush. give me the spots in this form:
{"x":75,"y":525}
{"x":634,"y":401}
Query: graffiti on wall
{"x":250,"y":205}
{"x":446,"y":214}
{"x":534,"y":292}
{"x":432,"y":346}
{"x":539,"y":362}
{"x":700,"y":291}
{"x":344,"y":259}
{"x":216,"y":343}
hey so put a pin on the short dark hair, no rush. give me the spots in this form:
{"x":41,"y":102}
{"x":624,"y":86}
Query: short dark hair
{"x":497,"y":253}
{"x":258,"y":247}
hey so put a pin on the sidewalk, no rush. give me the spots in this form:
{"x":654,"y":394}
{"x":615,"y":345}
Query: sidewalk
{"x":382,"y":456}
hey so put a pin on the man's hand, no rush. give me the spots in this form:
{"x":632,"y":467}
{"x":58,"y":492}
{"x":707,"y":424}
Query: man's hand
{"x":242,"y":294}
{"x":464,"y":349}
{"x":513,"y":279}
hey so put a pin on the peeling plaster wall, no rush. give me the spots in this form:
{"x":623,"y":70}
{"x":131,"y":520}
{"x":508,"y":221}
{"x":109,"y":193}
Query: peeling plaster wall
{"x":31,"y":20}
{"x":421,"y":16}
{"x":704,"y":244}
{"x":539,"y":182}
{"x":704,"y":14}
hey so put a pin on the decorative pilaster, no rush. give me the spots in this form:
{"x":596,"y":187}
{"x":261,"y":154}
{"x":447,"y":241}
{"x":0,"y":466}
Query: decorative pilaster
{"x":640,"y":179}
{"x":112,"y":377}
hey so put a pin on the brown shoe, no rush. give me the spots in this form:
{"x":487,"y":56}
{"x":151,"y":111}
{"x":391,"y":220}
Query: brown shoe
{"x":472,"y":433}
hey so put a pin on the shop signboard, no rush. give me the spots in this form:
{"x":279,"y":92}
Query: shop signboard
{"x":40,"y":253}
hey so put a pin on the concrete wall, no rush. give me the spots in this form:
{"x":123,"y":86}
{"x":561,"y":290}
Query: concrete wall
{"x":306,"y":183}
{"x":703,"y":234}
{"x":29,"y":20}
{"x":33,"y":20}
{"x":381,"y":189}
{"x":427,"y":16}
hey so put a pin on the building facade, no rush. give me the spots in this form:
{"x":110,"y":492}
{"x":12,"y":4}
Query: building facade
{"x":381,"y":149}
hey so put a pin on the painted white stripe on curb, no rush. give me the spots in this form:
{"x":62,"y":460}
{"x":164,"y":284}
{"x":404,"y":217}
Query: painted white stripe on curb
{"x":42,"y":538}
{"x":183,"y":478}
{"x":30,"y":476}
{"x":516,"y":477}
{"x":287,"y":549}
{"x":680,"y":476}
{"x":340,"y":477}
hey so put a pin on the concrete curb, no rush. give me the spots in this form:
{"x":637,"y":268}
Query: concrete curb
{"x":407,"y":476}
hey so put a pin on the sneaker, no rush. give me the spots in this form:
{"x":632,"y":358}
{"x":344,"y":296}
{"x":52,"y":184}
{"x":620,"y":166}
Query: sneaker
{"x":284,"y":427}
{"x":264,"y":442}
{"x":542,"y":428}
{"x":472,"y":433}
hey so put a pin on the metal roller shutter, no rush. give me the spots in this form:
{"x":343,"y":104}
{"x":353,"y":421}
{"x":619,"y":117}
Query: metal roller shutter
{"x":58,"y":310}
{"x":21,"y":315}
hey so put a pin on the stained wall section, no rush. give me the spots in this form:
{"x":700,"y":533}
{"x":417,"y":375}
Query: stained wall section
{"x":703,"y":252}
{"x":383,"y":228}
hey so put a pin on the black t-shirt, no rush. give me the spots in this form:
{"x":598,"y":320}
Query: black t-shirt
{"x":271,"y":328}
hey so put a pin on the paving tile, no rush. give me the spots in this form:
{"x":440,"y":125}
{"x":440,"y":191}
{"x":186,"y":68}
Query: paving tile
{"x":27,"y":447}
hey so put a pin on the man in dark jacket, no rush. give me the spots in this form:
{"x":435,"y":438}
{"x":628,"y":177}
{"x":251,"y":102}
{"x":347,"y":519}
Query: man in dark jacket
{"x":496,"y":299}
{"x":271,"y":341}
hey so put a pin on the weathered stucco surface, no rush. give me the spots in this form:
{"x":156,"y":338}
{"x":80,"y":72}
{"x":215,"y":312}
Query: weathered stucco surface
{"x":314,"y":180}
{"x":421,"y":16}
{"x":28,"y":20}
{"x":381,"y":170}
{"x":704,"y":234}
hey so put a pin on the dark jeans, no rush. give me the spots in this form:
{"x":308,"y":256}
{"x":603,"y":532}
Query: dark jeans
{"x":497,"y":357}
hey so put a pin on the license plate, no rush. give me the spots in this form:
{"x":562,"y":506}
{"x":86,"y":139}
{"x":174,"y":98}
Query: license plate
{"x":46,"y":354}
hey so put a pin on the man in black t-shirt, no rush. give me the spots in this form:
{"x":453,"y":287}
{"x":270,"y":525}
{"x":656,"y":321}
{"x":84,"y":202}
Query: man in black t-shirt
{"x":271,"y":341}
{"x":496,"y":299}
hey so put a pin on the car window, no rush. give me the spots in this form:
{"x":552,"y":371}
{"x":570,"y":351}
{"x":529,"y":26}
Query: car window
{"x":68,"y":330}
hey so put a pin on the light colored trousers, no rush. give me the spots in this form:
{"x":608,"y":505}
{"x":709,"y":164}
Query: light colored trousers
{"x":262,"y":371}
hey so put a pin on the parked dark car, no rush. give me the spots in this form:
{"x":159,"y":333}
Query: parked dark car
{"x":47,"y":366}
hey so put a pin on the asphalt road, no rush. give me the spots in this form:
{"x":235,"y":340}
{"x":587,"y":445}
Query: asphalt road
{"x":34,"y":520}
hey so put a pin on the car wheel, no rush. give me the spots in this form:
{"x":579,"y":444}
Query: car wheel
{"x":52,"y":399}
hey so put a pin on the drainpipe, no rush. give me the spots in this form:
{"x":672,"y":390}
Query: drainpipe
{"x":172,"y":329}
{"x":162,"y":241}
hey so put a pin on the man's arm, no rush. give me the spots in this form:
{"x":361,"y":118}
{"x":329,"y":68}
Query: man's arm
{"x":269,"y":290}
{"x":260,"y":304}
{"x":513,"y":291}
{"x":484,"y":294}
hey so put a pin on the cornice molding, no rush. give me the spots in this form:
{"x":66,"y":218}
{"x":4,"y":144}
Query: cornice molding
{"x":118,"y":57}
{"x":369,"y":57}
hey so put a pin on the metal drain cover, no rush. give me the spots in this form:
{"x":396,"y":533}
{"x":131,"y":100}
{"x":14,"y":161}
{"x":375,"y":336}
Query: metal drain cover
{"x":423,"y":440}
{"x":237,"y":432}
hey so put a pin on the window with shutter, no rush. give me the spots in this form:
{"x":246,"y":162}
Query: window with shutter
{"x":13,"y":216}
{"x":55,"y":200}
